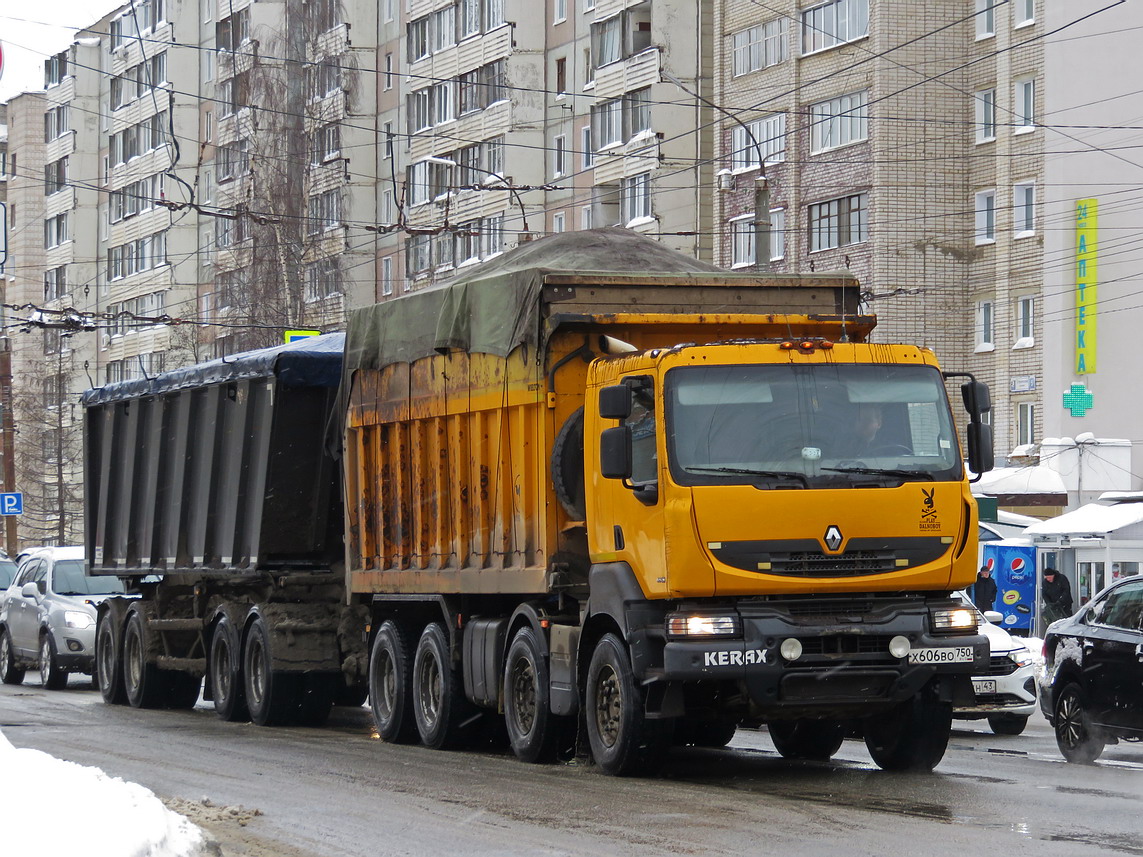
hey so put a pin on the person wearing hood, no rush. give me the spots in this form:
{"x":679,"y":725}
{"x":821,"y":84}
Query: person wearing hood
{"x":984,"y":590}
{"x":1057,"y":596}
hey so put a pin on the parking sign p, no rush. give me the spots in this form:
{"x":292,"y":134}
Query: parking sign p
{"x":12,"y":504}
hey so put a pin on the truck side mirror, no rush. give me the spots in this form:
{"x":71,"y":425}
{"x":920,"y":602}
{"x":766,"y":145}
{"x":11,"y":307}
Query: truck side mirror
{"x":615,"y":450}
{"x":615,"y":402}
{"x":977,"y":398}
{"x":980,"y":453}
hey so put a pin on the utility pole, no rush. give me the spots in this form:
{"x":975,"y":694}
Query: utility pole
{"x":8,"y":437}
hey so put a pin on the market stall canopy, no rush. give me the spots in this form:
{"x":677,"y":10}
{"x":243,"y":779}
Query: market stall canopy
{"x":1094,"y":520}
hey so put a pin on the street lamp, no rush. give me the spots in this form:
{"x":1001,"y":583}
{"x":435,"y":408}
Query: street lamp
{"x":448,"y":162}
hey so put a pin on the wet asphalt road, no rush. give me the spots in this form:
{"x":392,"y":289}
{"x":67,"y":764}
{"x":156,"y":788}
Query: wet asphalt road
{"x":338,"y":791}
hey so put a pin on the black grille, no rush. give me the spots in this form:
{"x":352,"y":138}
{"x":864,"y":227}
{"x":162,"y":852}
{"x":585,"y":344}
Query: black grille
{"x":850,"y":564}
{"x":846,"y":644}
{"x":999,"y":699}
{"x":1001,"y":665}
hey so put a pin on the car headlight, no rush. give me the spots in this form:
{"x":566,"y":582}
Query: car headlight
{"x":702,"y":625}
{"x":1020,"y":657}
{"x":953,"y":620}
{"x":78,"y":620}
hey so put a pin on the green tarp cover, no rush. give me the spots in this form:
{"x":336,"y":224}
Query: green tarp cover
{"x":494,"y":307}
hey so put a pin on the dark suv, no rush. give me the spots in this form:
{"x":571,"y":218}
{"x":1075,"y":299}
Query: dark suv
{"x":1092,"y":692}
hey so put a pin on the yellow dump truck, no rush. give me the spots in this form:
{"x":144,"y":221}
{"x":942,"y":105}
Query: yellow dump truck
{"x":592,"y":487}
{"x":595,"y":479}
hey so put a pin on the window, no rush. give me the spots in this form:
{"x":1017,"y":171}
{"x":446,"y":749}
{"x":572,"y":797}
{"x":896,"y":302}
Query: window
{"x":1025,"y":315}
{"x":388,"y":71}
{"x":985,"y":18}
{"x":622,"y":35}
{"x":323,"y":278}
{"x":985,"y":101}
{"x":482,"y":87}
{"x":443,"y":102}
{"x":387,"y":131}
{"x":838,"y":222}
{"x":208,"y":126}
{"x":55,"y":283}
{"x":608,"y":121}
{"x":207,"y":10}
{"x":387,"y":276}
{"x":985,"y":217}
{"x":418,"y":39}
{"x":985,"y":321}
{"x":233,"y":160}
{"x":324,"y":210}
{"x":1025,"y":423}
{"x":561,"y":76}
{"x":1024,"y":12}
{"x":55,"y":70}
{"x":387,"y":207}
{"x":326,"y":143}
{"x":742,"y":247}
{"x":585,"y":147}
{"x":777,"y":234}
{"x":55,"y":230}
{"x":469,"y":18}
{"x":586,"y":217}
{"x":1025,"y":105}
{"x":759,"y":47}
{"x":420,"y":118}
{"x":444,"y":28}
{"x":493,"y":14}
{"x":1024,"y":209}
{"x":558,"y":224}
{"x":492,"y":235}
{"x":637,"y":112}
{"x":833,"y":24}
{"x":324,"y":14}
{"x":559,"y":156}
{"x":151,"y":13}
{"x":322,"y":80}
{"x":769,"y":133}
{"x":233,"y":32}
{"x":56,"y":123}
{"x":390,"y":10}
{"x":207,"y":66}
{"x":635,"y":197}
{"x":838,"y":122}
{"x":418,"y":183}
{"x":559,"y":11}
{"x":55,"y":176}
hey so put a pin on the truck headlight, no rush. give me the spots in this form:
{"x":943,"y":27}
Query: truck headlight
{"x":703,"y":625}
{"x":78,"y":620}
{"x":953,"y":620}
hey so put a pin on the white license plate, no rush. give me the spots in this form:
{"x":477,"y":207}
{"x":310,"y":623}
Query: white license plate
{"x":984,"y":685}
{"x":948,"y":655}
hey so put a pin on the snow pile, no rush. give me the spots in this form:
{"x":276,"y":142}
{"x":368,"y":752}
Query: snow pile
{"x":91,"y":814}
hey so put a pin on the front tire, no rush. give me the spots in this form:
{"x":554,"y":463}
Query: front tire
{"x":9,"y":672}
{"x":391,"y":685}
{"x":226,"y":678}
{"x":1007,"y":724}
{"x":439,"y":703}
{"x":911,"y":737}
{"x":1075,"y":737}
{"x":622,"y":740}
{"x":108,"y":661}
{"x":533,"y":730}
{"x":52,"y":676}
{"x":816,"y":740}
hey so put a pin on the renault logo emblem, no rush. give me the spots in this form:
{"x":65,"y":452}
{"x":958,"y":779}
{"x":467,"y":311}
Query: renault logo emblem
{"x":833,"y":538}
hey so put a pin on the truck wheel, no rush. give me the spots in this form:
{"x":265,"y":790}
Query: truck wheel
{"x":439,"y":703}
{"x":271,"y":695}
{"x":108,"y":661}
{"x":9,"y":673}
{"x":911,"y":737}
{"x":391,"y":685}
{"x":226,"y":678}
{"x":1076,"y":738}
{"x":142,"y":681}
{"x":532,"y":728}
{"x":817,"y":740}
{"x":51,"y":676}
{"x":1007,"y":724}
{"x":622,"y":740}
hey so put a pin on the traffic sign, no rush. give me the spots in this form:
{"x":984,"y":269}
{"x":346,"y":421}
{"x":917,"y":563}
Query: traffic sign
{"x":12,"y":504}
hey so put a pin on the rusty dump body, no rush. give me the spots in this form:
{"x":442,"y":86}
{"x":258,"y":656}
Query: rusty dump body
{"x":458,"y":478}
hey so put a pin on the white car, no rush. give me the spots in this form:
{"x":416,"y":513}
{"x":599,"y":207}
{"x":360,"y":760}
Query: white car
{"x":1006,"y":694}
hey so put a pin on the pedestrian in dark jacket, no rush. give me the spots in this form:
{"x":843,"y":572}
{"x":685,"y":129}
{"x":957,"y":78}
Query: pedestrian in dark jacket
{"x":984,"y":590}
{"x":1057,"y":596}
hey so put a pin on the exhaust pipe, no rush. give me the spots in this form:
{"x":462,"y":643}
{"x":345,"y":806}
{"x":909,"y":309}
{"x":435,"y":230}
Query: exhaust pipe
{"x":611,"y":345}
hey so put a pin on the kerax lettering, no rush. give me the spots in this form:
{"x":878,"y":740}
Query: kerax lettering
{"x":734,"y":659}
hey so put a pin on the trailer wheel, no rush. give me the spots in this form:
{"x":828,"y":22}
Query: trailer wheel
{"x":532,"y":728}
{"x":108,"y":661}
{"x":391,"y":685}
{"x":817,"y":740}
{"x":911,"y":737}
{"x":567,"y":466}
{"x":439,"y":702}
{"x":623,"y":741}
{"x":142,"y":681}
{"x":9,"y":672}
{"x":226,"y":679}
{"x":271,"y":695}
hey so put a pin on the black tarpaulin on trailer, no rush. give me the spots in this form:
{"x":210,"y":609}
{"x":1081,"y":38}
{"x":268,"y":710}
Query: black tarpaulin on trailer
{"x":311,"y":362}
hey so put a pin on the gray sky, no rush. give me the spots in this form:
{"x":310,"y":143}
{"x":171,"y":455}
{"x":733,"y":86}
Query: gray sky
{"x":31,"y":30}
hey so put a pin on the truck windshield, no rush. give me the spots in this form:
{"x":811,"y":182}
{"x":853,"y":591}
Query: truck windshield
{"x":816,"y":426}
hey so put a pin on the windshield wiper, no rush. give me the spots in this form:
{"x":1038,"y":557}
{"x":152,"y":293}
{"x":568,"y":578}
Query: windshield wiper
{"x":882,"y":471}
{"x":746,"y":471}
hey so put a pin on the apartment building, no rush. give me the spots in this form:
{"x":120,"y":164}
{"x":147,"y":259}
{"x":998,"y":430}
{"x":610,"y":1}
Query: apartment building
{"x":900,"y":141}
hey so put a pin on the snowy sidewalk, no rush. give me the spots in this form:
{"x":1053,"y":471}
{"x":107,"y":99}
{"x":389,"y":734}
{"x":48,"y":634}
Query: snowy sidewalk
{"x":79,"y":810}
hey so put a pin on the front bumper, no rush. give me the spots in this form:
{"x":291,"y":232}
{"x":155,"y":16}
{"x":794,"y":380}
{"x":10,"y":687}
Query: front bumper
{"x":1015,"y":695}
{"x":845,"y":667}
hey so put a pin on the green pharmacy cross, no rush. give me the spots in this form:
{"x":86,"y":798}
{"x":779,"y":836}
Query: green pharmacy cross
{"x":1078,"y":400}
